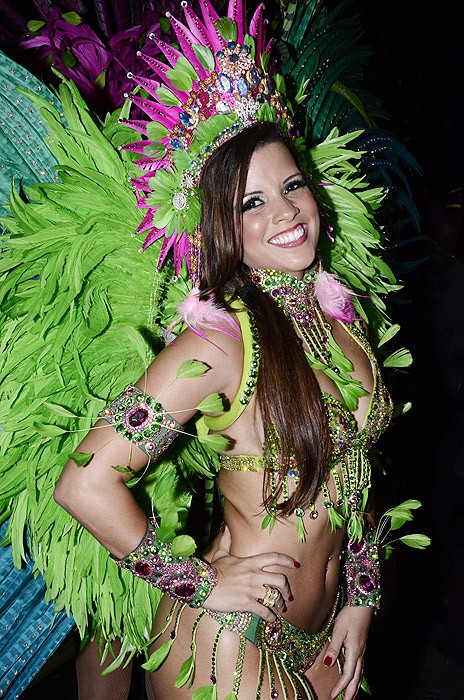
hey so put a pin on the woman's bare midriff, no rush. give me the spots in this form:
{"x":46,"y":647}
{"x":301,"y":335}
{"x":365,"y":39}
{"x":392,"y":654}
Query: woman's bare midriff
{"x":314,"y":584}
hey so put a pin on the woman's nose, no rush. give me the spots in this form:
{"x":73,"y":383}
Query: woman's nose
{"x":285,"y":210}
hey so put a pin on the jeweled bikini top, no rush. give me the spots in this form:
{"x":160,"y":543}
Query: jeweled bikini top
{"x":349,"y":467}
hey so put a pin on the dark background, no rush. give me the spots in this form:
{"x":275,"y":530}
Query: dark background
{"x":416,"y":68}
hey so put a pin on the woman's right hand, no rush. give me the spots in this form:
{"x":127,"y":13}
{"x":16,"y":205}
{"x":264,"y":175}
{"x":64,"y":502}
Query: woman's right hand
{"x":243,"y":581}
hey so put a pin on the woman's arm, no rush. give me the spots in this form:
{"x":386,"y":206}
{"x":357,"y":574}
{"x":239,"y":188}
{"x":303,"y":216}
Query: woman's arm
{"x":97,"y":495}
{"x":362,"y":576}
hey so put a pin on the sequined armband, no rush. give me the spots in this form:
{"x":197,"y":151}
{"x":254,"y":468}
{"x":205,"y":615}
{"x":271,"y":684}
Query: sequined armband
{"x":141,"y":419}
{"x":362,"y":571}
{"x":187,"y":579}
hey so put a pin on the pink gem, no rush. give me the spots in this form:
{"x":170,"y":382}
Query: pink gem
{"x":185,"y":590}
{"x":367,"y":583}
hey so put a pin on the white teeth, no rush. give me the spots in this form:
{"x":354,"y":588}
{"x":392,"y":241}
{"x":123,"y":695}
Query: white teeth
{"x":288,"y":237}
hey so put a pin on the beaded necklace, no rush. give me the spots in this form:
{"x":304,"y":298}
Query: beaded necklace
{"x":297,"y":299}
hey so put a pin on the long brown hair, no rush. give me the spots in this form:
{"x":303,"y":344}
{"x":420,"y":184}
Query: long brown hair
{"x":288,"y":394}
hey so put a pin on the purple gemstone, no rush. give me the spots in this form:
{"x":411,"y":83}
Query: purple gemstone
{"x":138,"y":417}
{"x":274,"y":694}
{"x":357,"y":547}
{"x":366,"y":582}
{"x":142,"y":568}
{"x":185,"y":590}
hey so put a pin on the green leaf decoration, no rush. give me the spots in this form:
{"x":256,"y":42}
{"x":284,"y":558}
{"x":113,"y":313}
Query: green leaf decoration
{"x":183,"y":546}
{"x":167,"y":97}
{"x":191,"y":368}
{"x":48,"y":430}
{"x":249,"y":40}
{"x":179,"y":80}
{"x":218,"y":443}
{"x":417,"y":541}
{"x":156,"y":150}
{"x":186,"y":673}
{"x":301,"y":530}
{"x":387,"y":551}
{"x":231,"y":696}
{"x":268,"y":521}
{"x":204,"y":56}
{"x":35,"y":25}
{"x":399,"y":358}
{"x":365,"y":685}
{"x":211,"y":404}
{"x":158,"y":656}
{"x":58,"y":410}
{"x":68,"y":58}
{"x":170,"y":518}
{"x":81,"y":458}
{"x":404,"y":507}
{"x":206,"y":692}
{"x":100,"y":80}
{"x":389,"y":334}
{"x":72,"y":18}
{"x":123,"y":470}
{"x":400,"y":409}
{"x":227,"y":28}
{"x":156,"y":131}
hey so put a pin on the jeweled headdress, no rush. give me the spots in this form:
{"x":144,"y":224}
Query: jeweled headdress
{"x":216,"y":85}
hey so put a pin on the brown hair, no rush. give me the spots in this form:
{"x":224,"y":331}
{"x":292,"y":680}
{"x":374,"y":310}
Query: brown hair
{"x":288,"y":394}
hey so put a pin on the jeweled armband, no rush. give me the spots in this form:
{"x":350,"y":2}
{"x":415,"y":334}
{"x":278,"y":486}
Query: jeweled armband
{"x":141,"y":419}
{"x":362,"y":571}
{"x":187,"y":579}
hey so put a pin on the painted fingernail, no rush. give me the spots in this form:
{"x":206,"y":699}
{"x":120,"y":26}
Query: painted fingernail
{"x":290,"y":598}
{"x":328,"y":661}
{"x":223,"y":528}
{"x":296,"y":564}
{"x":284,"y":608}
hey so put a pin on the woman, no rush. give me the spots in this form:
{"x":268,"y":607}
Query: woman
{"x":288,"y":428}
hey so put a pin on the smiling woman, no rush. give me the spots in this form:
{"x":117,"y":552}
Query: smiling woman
{"x":280,"y":224}
{"x":251,"y":427}
{"x":287,"y":357}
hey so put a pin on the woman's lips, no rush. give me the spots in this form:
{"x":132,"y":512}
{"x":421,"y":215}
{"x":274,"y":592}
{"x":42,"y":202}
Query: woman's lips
{"x":290,"y":239}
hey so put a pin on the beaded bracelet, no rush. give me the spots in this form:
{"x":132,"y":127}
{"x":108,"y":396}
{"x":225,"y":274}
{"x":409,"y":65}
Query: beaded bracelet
{"x":187,"y":579}
{"x":141,"y":419}
{"x":362,"y":571}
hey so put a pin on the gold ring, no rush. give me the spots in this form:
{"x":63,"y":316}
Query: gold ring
{"x":271,"y":596}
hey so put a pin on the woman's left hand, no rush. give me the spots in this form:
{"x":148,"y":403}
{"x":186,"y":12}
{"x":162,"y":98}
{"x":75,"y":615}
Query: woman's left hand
{"x":349,"y":638}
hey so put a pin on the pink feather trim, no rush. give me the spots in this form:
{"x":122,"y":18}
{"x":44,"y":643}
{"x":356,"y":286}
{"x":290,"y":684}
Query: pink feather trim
{"x":334,"y":297}
{"x":201,"y":315}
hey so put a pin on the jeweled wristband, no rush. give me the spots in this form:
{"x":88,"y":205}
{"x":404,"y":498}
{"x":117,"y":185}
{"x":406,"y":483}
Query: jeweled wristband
{"x":188,"y":579}
{"x":362,"y":571}
{"x":141,"y":419}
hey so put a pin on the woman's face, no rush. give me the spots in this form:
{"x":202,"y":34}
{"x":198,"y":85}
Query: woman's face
{"x":280,"y":216}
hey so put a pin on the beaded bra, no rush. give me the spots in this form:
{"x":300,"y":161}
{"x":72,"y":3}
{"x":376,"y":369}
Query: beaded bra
{"x":349,"y":467}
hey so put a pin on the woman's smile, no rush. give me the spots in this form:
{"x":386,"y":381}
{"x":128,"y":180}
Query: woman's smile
{"x":280,"y":218}
{"x":291,"y":238}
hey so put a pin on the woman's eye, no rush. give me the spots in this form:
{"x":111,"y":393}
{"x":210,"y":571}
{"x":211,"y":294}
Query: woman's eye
{"x":295,"y":185}
{"x":251,"y":203}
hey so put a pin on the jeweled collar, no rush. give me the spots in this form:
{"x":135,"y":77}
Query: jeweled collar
{"x":269,"y":280}
{"x":296,"y":297}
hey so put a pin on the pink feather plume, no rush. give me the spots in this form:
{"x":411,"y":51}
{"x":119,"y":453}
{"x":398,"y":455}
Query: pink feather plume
{"x":334,"y":297}
{"x":201,"y":315}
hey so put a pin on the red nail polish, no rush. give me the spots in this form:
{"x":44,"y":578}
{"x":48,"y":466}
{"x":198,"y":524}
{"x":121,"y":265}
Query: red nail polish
{"x":327,"y":661}
{"x":223,"y":528}
{"x":290,"y":598}
{"x":296,"y":564}
{"x":284,"y":608}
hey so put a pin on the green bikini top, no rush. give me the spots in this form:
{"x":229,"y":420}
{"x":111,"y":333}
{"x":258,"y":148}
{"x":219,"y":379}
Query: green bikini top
{"x":349,"y":467}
